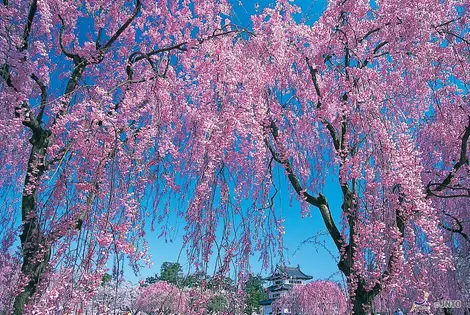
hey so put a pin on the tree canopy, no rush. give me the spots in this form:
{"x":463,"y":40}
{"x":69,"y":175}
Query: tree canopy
{"x":116,"y":114}
{"x":254,"y":293}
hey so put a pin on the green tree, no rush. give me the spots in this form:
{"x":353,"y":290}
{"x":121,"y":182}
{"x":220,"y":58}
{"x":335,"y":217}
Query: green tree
{"x":150,"y":280}
{"x":195,"y":279}
{"x":106,"y":278}
{"x":221,"y":283}
{"x":217,"y":304}
{"x":171,"y":273}
{"x":254,"y":293}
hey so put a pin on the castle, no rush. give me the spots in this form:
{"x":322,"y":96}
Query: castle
{"x":282,"y":280}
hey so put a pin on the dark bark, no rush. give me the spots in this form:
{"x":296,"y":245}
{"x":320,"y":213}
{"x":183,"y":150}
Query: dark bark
{"x":29,"y":24}
{"x":35,"y":251}
{"x":363,"y":300}
{"x":433,"y":188}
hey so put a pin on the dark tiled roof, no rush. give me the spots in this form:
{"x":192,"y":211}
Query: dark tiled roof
{"x":283,"y":287}
{"x":266,"y":302}
{"x":287,"y":273}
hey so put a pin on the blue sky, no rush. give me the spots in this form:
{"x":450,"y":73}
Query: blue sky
{"x":311,"y":9}
{"x":313,"y":259}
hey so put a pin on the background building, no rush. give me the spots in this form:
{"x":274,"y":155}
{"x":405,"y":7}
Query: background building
{"x":282,"y":280}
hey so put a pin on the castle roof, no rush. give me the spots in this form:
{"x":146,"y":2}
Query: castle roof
{"x":267,"y":302}
{"x":282,"y":287}
{"x":288,"y":273}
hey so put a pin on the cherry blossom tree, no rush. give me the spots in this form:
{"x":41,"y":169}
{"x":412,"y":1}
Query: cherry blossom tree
{"x":159,"y":297}
{"x":212,"y":301}
{"x":318,"y":297}
{"x":111,"y":297}
{"x":374,"y":94}
{"x":162,"y":298}
{"x":450,"y":286}
{"x":87,"y":123}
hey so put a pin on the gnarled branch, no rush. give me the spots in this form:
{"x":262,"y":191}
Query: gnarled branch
{"x":463,"y":159}
{"x":43,"y":89}
{"x":123,"y":27}
{"x":459,"y":230}
{"x":320,"y":202}
{"x":29,"y":24}
{"x":61,"y":42}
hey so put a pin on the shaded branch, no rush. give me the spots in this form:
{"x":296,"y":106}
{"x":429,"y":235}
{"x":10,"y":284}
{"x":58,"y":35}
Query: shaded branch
{"x":394,"y":255}
{"x":463,"y":159}
{"x":81,"y":63}
{"x":466,"y":41}
{"x":29,"y":24}
{"x":181,"y":45}
{"x":43,"y":102}
{"x":459,"y":230}
{"x":76,"y":75}
{"x":446,"y":23}
{"x":29,"y":119}
{"x":135,"y":57}
{"x":372,"y":31}
{"x":320,"y":202}
{"x":72,"y":84}
{"x":141,"y":56}
{"x":138,"y":55}
{"x":5,"y":74}
{"x":123,"y":27}
{"x":376,"y":49}
{"x":313,"y":75}
{"x":61,"y":43}
{"x":431,"y":193}
{"x":76,"y":223}
{"x":331,"y":129}
{"x":98,"y":39}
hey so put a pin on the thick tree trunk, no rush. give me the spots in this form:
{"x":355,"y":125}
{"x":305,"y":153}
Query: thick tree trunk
{"x":35,"y":251}
{"x":362,"y":302}
{"x":362,"y":299}
{"x":33,"y":269}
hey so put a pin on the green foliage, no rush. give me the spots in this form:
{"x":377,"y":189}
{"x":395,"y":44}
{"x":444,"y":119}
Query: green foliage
{"x":217,"y":304}
{"x":254,"y":293}
{"x":171,"y":273}
{"x":106,"y":278}
{"x":218,"y":283}
{"x":150,"y":280}
{"x":194,"y":280}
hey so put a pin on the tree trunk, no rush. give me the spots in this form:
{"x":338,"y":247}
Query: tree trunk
{"x":36,"y":253}
{"x":362,"y":301}
{"x":33,"y":269}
